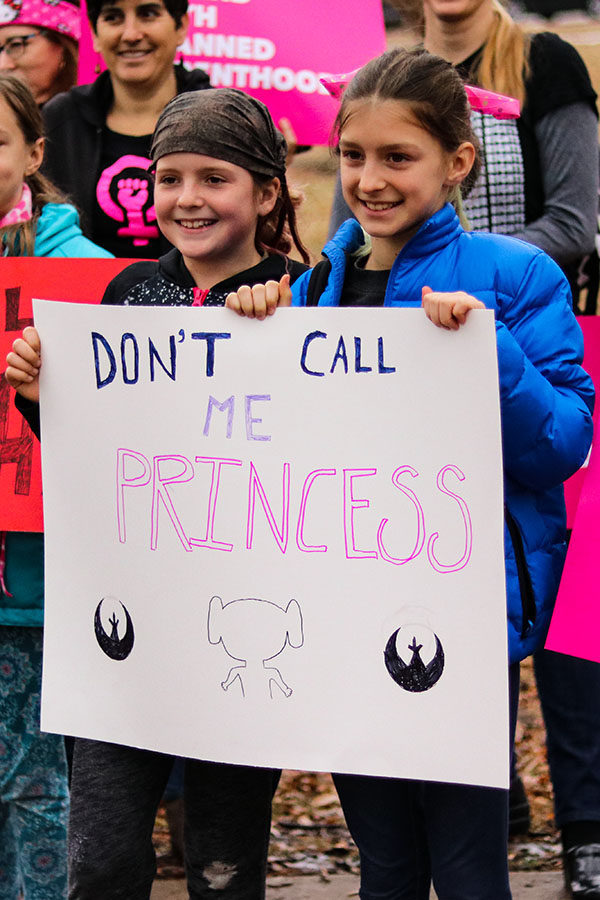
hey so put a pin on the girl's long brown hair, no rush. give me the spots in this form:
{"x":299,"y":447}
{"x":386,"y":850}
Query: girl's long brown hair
{"x":19,"y":240}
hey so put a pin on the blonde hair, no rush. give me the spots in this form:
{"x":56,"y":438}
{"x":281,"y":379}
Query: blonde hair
{"x":504,"y":63}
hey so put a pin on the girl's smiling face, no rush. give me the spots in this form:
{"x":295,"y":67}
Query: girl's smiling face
{"x":395,"y":174}
{"x":208,"y":209}
{"x":17,"y":158}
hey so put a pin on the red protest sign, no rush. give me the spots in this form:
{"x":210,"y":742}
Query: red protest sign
{"x":22,"y":278}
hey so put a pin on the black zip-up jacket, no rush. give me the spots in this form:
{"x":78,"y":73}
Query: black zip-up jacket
{"x":167,"y":282}
{"x":74,"y":122}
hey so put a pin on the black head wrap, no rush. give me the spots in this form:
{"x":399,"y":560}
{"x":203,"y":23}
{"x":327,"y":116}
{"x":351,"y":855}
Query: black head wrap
{"x":223,"y":123}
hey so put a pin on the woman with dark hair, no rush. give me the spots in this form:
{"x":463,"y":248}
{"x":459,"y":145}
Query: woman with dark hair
{"x":99,"y":134}
{"x":39,"y":44}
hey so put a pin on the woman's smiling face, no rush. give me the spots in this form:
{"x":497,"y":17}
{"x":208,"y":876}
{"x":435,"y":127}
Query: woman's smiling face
{"x":138,"y":40}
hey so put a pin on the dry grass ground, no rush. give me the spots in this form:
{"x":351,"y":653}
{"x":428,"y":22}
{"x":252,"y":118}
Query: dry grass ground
{"x":308,"y":832}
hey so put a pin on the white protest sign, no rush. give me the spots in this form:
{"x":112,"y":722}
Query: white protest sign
{"x":276,"y":543}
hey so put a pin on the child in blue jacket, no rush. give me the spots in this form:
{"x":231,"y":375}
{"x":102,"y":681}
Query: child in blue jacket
{"x":406,"y":147}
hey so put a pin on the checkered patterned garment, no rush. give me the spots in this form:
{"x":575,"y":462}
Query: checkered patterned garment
{"x":497,"y":202}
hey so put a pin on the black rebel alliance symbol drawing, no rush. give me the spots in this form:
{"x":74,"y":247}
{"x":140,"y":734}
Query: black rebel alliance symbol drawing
{"x":414,"y":657}
{"x":119,"y":643}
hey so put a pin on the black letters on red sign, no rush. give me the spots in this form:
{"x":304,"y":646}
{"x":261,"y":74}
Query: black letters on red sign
{"x":17,"y":450}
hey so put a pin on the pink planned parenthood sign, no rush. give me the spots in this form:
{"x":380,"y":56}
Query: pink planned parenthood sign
{"x":278,"y":53}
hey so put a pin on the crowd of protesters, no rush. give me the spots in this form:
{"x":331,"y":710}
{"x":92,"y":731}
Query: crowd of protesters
{"x":149,"y":161}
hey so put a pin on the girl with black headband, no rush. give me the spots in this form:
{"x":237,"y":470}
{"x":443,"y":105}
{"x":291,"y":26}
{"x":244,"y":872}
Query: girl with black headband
{"x":222,"y":200}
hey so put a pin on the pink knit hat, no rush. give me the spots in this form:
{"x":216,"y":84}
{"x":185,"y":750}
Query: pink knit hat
{"x":54,"y":15}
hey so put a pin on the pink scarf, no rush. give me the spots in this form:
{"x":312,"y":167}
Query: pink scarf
{"x":21,"y":212}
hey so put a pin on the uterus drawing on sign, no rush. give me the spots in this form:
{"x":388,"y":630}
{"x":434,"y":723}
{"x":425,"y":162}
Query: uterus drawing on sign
{"x":124,"y":193}
{"x":254,"y":632}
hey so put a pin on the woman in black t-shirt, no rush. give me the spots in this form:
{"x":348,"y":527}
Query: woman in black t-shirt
{"x":98,"y":135}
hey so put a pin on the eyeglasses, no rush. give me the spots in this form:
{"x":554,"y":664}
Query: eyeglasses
{"x":16,"y":46}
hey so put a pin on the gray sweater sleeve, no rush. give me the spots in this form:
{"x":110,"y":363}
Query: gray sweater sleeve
{"x":568,"y":145}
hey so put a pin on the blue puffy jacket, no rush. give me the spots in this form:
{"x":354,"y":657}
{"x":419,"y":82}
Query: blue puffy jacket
{"x":58,"y":234}
{"x":546,"y":398}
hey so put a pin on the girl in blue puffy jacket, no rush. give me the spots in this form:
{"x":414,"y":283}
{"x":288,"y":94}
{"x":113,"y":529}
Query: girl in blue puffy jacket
{"x":406,"y":148}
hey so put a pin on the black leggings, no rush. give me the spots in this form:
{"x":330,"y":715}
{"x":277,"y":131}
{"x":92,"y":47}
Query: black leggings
{"x":115,"y":793}
{"x":410,"y":833}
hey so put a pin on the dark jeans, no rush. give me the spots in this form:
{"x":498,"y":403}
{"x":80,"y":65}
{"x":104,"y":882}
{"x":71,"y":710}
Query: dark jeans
{"x":410,"y":833}
{"x":115,"y":792}
{"x":569,"y":691}
{"x":174,"y":788}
